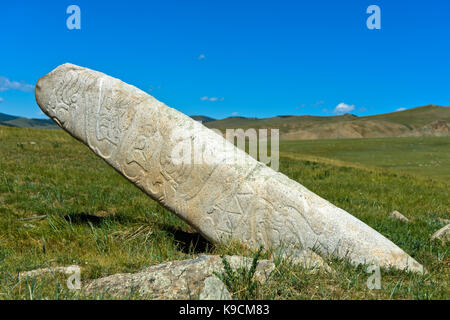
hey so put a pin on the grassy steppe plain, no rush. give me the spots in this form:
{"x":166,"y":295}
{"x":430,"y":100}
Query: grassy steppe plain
{"x":100,"y":221}
{"x":425,"y":156}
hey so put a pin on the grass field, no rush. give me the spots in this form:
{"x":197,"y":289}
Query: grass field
{"x":98,"y":220}
{"x":425,"y":156}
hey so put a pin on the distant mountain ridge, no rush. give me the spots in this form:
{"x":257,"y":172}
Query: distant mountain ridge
{"x":429,"y":120}
{"x":20,"y":122}
{"x":203,"y":119}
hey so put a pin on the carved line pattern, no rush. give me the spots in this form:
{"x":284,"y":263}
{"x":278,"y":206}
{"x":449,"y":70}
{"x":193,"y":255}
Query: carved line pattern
{"x":262,"y":220}
{"x":112,"y":110}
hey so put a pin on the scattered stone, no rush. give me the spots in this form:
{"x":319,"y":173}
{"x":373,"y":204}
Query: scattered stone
{"x":35,"y":218}
{"x":184,"y":279}
{"x":446,"y":221}
{"x":48,"y":271}
{"x":33,"y":143}
{"x":215,"y":289}
{"x":442,"y":234}
{"x":398,"y":216}
{"x":191,"y":170}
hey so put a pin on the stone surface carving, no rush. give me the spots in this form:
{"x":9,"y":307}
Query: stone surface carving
{"x":245,"y":200}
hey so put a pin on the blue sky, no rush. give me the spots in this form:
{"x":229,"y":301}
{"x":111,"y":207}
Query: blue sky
{"x":247,"y":58}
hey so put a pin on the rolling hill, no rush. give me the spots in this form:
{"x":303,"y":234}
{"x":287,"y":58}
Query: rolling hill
{"x":203,"y":119}
{"x":430,"y":120}
{"x":19,"y":122}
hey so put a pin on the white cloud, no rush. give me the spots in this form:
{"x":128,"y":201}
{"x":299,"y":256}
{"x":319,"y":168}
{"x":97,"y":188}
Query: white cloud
{"x":342,"y":108}
{"x":212,"y":99}
{"x":400,"y":109}
{"x":201,"y":57}
{"x":235,"y":113}
{"x":6,"y":84}
{"x":1,"y":100}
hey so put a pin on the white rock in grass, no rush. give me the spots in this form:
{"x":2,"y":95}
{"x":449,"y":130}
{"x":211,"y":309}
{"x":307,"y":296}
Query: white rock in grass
{"x":189,"y":169}
{"x":48,"y":271}
{"x":442,"y":234}
{"x":398,"y":216}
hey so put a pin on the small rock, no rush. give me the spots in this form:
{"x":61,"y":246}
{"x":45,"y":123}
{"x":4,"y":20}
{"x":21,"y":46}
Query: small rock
{"x":397,"y":215}
{"x":35,"y":218}
{"x":442,"y":234}
{"x":446,"y":221}
{"x":48,"y":271}
{"x":32,"y":143}
{"x":214,"y":289}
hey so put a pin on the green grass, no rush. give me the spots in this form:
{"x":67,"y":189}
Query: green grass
{"x":100,"y":221}
{"x":426,"y":156}
{"x":241,"y":281}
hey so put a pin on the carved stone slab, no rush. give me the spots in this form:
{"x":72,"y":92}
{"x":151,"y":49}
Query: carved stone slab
{"x":245,"y":200}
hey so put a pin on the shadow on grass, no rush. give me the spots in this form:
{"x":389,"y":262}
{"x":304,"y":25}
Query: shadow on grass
{"x":187,"y":242}
{"x":84,"y":218}
{"x":190,"y":242}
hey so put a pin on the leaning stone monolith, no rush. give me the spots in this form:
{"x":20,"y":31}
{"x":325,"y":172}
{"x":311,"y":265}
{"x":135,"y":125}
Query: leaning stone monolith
{"x":194,"y":172}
